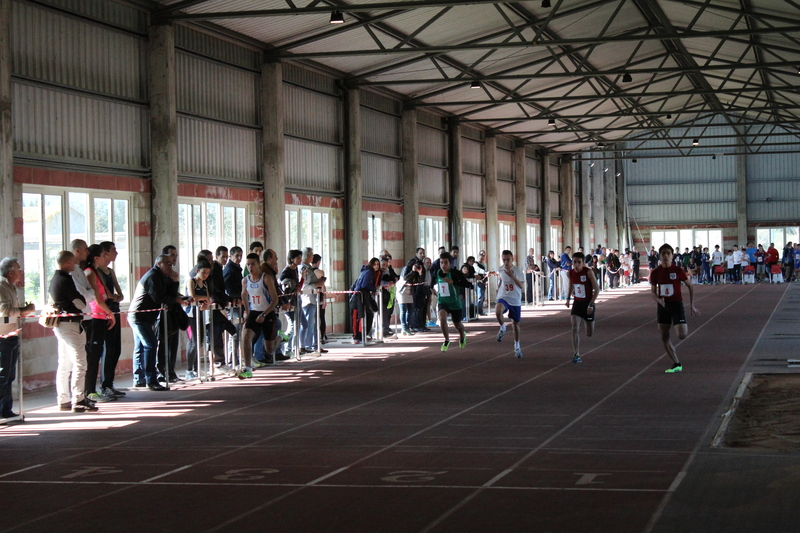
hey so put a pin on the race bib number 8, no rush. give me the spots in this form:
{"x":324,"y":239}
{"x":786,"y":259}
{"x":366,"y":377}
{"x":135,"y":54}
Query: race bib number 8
{"x":444,"y":289}
{"x":667,"y":290}
{"x":580,"y":291}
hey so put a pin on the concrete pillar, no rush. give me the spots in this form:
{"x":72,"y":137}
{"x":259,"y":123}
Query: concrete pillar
{"x":492,"y":220}
{"x":546,"y":219}
{"x":623,"y":230}
{"x":610,"y":193}
{"x":411,"y":237}
{"x":456,"y":192}
{"x":7,"y":195}
{"x":273,"y":158}
{"x":598,"y":202}
{"x":356,"y":245}
{"x":584,"y":217}
{"x":520,"y":203}
{"x":741,"y":199}
{"x":566,"y":175}
{"x":163,"y":136}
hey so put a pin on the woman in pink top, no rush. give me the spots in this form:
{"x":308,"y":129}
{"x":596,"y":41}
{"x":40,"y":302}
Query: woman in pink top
{"x":102,"y":320}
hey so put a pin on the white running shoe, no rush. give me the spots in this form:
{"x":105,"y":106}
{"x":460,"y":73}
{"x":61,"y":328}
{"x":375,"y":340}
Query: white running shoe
{"x":501,"y":334}
{"x":518,"y":352}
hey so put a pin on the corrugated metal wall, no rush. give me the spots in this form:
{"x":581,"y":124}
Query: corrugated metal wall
{"x":555,"y":204}
{"x":313,"y":128}
{"x":505,"y":196}
{"x":685,"y":213}
{"x":472,"y":188}
{"x":505,"y":164}
{"x":472,"y":156}
{"x":209,"y":149}
{"x":434,"y":186}
{"x":532,"y":171}
{"x":113,"y":13}
{"x":784,"y":199}
{"x":532,"y":201}
{"x":380,"y":147}
{"x":682,"y":194}
{"x":104,"y":125}
{"x":215,"y":47}
{"x":432,"y":158}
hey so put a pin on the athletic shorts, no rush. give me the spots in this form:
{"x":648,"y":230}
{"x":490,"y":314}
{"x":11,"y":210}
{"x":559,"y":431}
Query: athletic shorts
{"x":673,"y":313}
{"x":268,"y":328}
{"x":456,"y":314}
{"x":580,"y":309}
{"x":514,"y":311}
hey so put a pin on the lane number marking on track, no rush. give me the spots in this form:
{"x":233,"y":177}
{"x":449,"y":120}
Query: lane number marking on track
{"x":90,"y":471}
{"x":588,"y":479}
{"x":246,"y":474}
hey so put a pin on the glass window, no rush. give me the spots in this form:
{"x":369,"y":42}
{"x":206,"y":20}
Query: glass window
{"x":554,"y":240}
{"x":310,"y":227}
{"x":431,"y":235}
{"x":374,"y":235}
{"x":505,"y":237}
{"x":687,"y":239}
{"x":473,"y":239}
{"x":531,"y":238}
{"x":48,"y":228}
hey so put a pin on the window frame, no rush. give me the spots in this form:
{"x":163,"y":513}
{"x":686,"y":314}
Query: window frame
{"x":327,"y":237}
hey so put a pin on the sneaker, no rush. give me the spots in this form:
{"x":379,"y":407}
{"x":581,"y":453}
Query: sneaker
{"x":245,"y":374}
{"x":101,"y":398}
{"x":140,"y":385}
{"x":259,"y":364}
{"x":83,"y":406}
{"x":66,"y":406}
{"x":431,"y":324}
{"x":357,"y":341}
{"x":190,"y":375}
{"x":156,"y":387}
{"x":445,"y":345}
{"x":115,"y":392}
{"x":576,"y":359}
{"x":518,"y":352}
{"x":463,"y":341}
{"x":283,"y":335}
{"x":225,"y":369}
{"x":501,"y":334}
{"x":425,"y":329}
{"x":408,"y":333}
{"x":677,"y":367}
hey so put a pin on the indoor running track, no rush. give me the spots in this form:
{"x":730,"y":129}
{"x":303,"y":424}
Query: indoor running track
{"x":402,"y":437}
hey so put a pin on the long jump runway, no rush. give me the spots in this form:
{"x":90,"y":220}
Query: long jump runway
{"x":402,"y":437}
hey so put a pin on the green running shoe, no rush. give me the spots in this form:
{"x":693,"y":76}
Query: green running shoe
{"x":463,"y":341}
{"x":677,"y":367}
{"x":445,"y":345}
{"x":245,"y":374}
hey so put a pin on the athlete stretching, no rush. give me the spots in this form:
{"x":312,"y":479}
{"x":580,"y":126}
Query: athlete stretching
{"x":665,"y":288}
{"x":583,"y":285}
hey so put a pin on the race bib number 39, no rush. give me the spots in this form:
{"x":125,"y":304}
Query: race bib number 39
{"x":444,"y":289}
{"x":667,"y":290}
{"x":580,"y":291}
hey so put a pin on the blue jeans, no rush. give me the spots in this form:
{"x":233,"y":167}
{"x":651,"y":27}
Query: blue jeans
{"x":308,"y":327}
{"x":145,"y":347}
{"x":9,"y":354}
{"x":290,"y":330}
{"x":552,"y":288}
{"x":406,"y":316}
{"x":480,"y":297}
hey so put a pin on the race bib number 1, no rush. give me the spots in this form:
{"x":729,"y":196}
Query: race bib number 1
{"x":444,"y":289}
{"x":580,"y":291}
{"x":667,"y":290}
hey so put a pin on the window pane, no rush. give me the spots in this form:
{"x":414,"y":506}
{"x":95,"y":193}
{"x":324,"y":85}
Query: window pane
{"x":212,"y":226}
{"x":306,"y":237}
{"x":657,"y":239}
{"x":686,"y":240}
{"x":316,"y":242}
{"x":671,"y":238}
{"x":228,"y":226}
{"x":122,"y":266}
{"x":776,"y":235}
{"x":714,"y":238}
{"x":197,"y":233}
{"x":35,"y":279}
{"x":78,"y":216}
{"x":54,"y":233}
{"x":102,"y":220}
{"x":762,"y":237}
{"x":790,"y":235}
{"x":326,"y":242}
{"x":184,"y":241}
{"x":241,"y":232}
{"x":294,"y":230}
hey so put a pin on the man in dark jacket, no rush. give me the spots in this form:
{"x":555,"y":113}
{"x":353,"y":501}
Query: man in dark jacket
{"x":156,"y":288}
{"x":71,"y":338}
{"x":232,"y":275}
{"x":289,"y":281}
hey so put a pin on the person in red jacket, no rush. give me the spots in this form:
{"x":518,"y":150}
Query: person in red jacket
{"x":665,"y":288}
{"x":772,"y":259}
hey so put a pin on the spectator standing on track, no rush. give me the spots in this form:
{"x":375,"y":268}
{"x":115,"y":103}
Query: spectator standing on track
{"x":410,"y":274}
{"x":388,"y":280}
{"x":552,"y":273}
{"x":232,"y":275}
{"x":613,"y":265}
{"x":270,"y":347}
{"x":652,"y":259}
{"x":11,"y":277}
{"x":729,"y":262}
{"x":737,"y":265}
{"x":446,"y":279}
{"x":81,"y":252}
{"x":155,"y":289}
{"x":102,"y":321}
{"x":198,"y":291}
{"x":705,"y":264}
{"x":665,"y":288}
{"x":323,"y":303}
{"x":220,"y":298}
{"x":71,"y":337}
{"x":113,"y":343}
{"x":530,"y":262}
{"x":583,"y":285}
{"x":289,"y":281}
{"x":480,"y":283}
{"x":788,"y":262}
{"x":761,"y":262}
{"x":509,"y":298}
{"x":716,"y":261}
{"x":308,"y":299}
{"x":772,"y":258}
{"x":636,"y":264}
{"x":167,"y":354}
{"x":565,"y":264}
{"x":362,"y":304}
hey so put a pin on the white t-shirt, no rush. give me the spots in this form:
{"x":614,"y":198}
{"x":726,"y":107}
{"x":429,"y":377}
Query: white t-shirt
{"x":508,"y":290}
{"x":737,"y":257}
{"x":730,"y":261}
{"x":82,"y":284}
{"x":716,"y":257}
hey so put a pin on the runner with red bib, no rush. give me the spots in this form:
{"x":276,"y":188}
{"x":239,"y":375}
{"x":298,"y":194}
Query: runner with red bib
{"x":665,"y":288}
{"x":583,"y":285}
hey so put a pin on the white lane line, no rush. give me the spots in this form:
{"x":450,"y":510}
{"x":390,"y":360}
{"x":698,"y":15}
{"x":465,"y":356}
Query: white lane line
{"x":21,"y":470}
{"x":165,"y":474}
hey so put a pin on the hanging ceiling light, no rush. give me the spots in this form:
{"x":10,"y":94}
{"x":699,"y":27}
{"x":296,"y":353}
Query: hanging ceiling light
{"x":475,"y":85}
{"x":634,"y":161}
{"x":337,"y":17}
{"x":551,"y":122}
{"x":601,"y":145}
{"x":545,"y":3}
{"x":669,"y":116}
{"x":695,"y":142}
{"x":626,"y":78}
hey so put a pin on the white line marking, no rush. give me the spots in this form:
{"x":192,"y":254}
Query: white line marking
{"x":165,"y":474}
{"x":21,"y":470}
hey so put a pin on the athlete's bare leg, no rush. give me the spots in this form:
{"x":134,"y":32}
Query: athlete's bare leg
{"x":443,"y":324}
{"x":576,"y":326}
{"x":668,"y":346}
